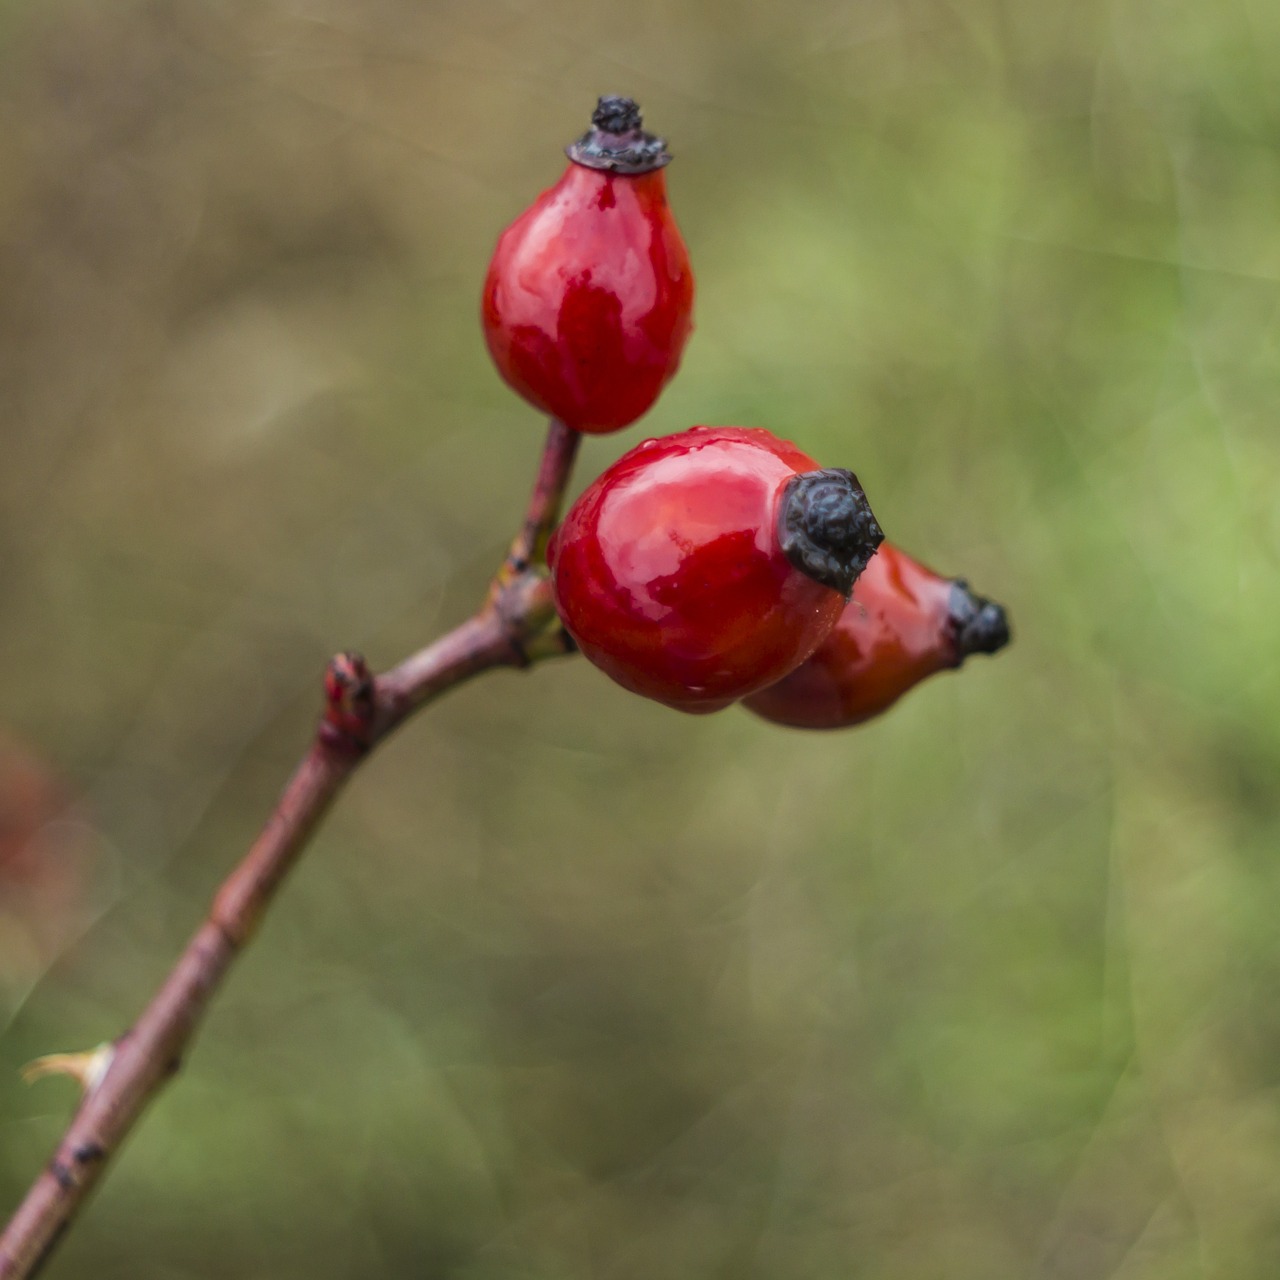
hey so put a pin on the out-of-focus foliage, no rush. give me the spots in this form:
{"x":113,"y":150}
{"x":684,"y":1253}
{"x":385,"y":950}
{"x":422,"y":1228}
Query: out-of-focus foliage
{"x":570,"y":985}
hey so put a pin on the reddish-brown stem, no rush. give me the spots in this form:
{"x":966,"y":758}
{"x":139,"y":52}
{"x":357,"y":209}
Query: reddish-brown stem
{"x":516,"y":627}
{"x":548,"y":494}
{"x":150,"y":1051}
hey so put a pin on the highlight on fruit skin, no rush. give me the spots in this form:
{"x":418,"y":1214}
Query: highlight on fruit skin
{"x":672,"y":574}
{"x":588,"y":300}
{"x":902,"y":624}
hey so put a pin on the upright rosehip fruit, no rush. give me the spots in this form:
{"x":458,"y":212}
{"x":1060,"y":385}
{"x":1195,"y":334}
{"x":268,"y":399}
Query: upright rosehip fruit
{"x":903,"y":623}
{"x":589,"y":297}
{"x":703,"y":566}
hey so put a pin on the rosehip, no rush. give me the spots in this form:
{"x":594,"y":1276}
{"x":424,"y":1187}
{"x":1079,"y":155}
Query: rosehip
{"x":703,"y":566}
{"x":903,"y":623}
{"x":46,"y":858}
{"x":589,"y":297}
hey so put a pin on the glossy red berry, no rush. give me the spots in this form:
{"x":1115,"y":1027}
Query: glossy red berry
{"x":903,"y":623}
{"x":589,"y":297}
{"x":705,"y":565}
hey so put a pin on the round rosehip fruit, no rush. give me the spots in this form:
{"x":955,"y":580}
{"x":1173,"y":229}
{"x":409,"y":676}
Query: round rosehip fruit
{"x":705,"y":565}
{"x":903,"y":623}
{"x":589,"y":297}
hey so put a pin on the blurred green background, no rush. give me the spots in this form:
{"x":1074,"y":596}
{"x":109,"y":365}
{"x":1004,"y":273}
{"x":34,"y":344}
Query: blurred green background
{"x":571,"y":985}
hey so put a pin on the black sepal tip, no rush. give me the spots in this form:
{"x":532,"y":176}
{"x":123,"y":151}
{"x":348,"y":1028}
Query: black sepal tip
{"x":617,"y":141}
{"x":979,"y":625}
{"x":827,"y":528}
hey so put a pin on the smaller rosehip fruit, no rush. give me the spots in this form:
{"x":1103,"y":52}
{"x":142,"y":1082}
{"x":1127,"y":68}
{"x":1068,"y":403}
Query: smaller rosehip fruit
{"x":903,"y":623}
{"x":706,"y":565}
{"x":47,"y":856}
{"x":589,"y":297}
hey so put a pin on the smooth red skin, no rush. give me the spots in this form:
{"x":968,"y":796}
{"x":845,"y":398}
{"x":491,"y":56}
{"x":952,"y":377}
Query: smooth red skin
{"x":668,"y":573}
{"x":895,"y":631}
{"x":589,"y":298}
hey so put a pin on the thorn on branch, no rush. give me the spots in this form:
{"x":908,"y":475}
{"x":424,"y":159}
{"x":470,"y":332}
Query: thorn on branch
{"x":87,"y":1068}
{"x":350,"y":701}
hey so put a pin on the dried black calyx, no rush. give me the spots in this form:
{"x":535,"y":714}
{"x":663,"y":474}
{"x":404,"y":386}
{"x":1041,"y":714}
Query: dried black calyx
{"x":618,"y":143}
{"x":617,"y":115}
{"x":978,"y":624}
{"x":827,"y":528}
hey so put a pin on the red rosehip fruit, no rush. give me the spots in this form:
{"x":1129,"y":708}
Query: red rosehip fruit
{"x":903,"y":623}
{"x":47,"y":854}
{"x":589,"y":297}
{"x":706,"y":565}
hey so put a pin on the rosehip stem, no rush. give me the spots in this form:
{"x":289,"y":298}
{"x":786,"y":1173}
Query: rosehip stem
{"x":558,"y":456}
{"x":516,"y":627}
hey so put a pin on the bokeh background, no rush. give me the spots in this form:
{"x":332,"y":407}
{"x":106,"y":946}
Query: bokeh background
{"x":571,"y":985}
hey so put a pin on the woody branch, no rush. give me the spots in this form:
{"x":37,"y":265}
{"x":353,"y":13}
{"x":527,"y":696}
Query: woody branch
{"x":515,"y":627}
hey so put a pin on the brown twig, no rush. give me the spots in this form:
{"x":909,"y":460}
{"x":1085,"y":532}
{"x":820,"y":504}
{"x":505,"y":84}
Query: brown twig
{"x":558,"y":455}
{"x":516,"y":627}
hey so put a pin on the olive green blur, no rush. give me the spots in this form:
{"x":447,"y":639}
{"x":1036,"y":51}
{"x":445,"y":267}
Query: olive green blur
{"x":571,"y":986}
